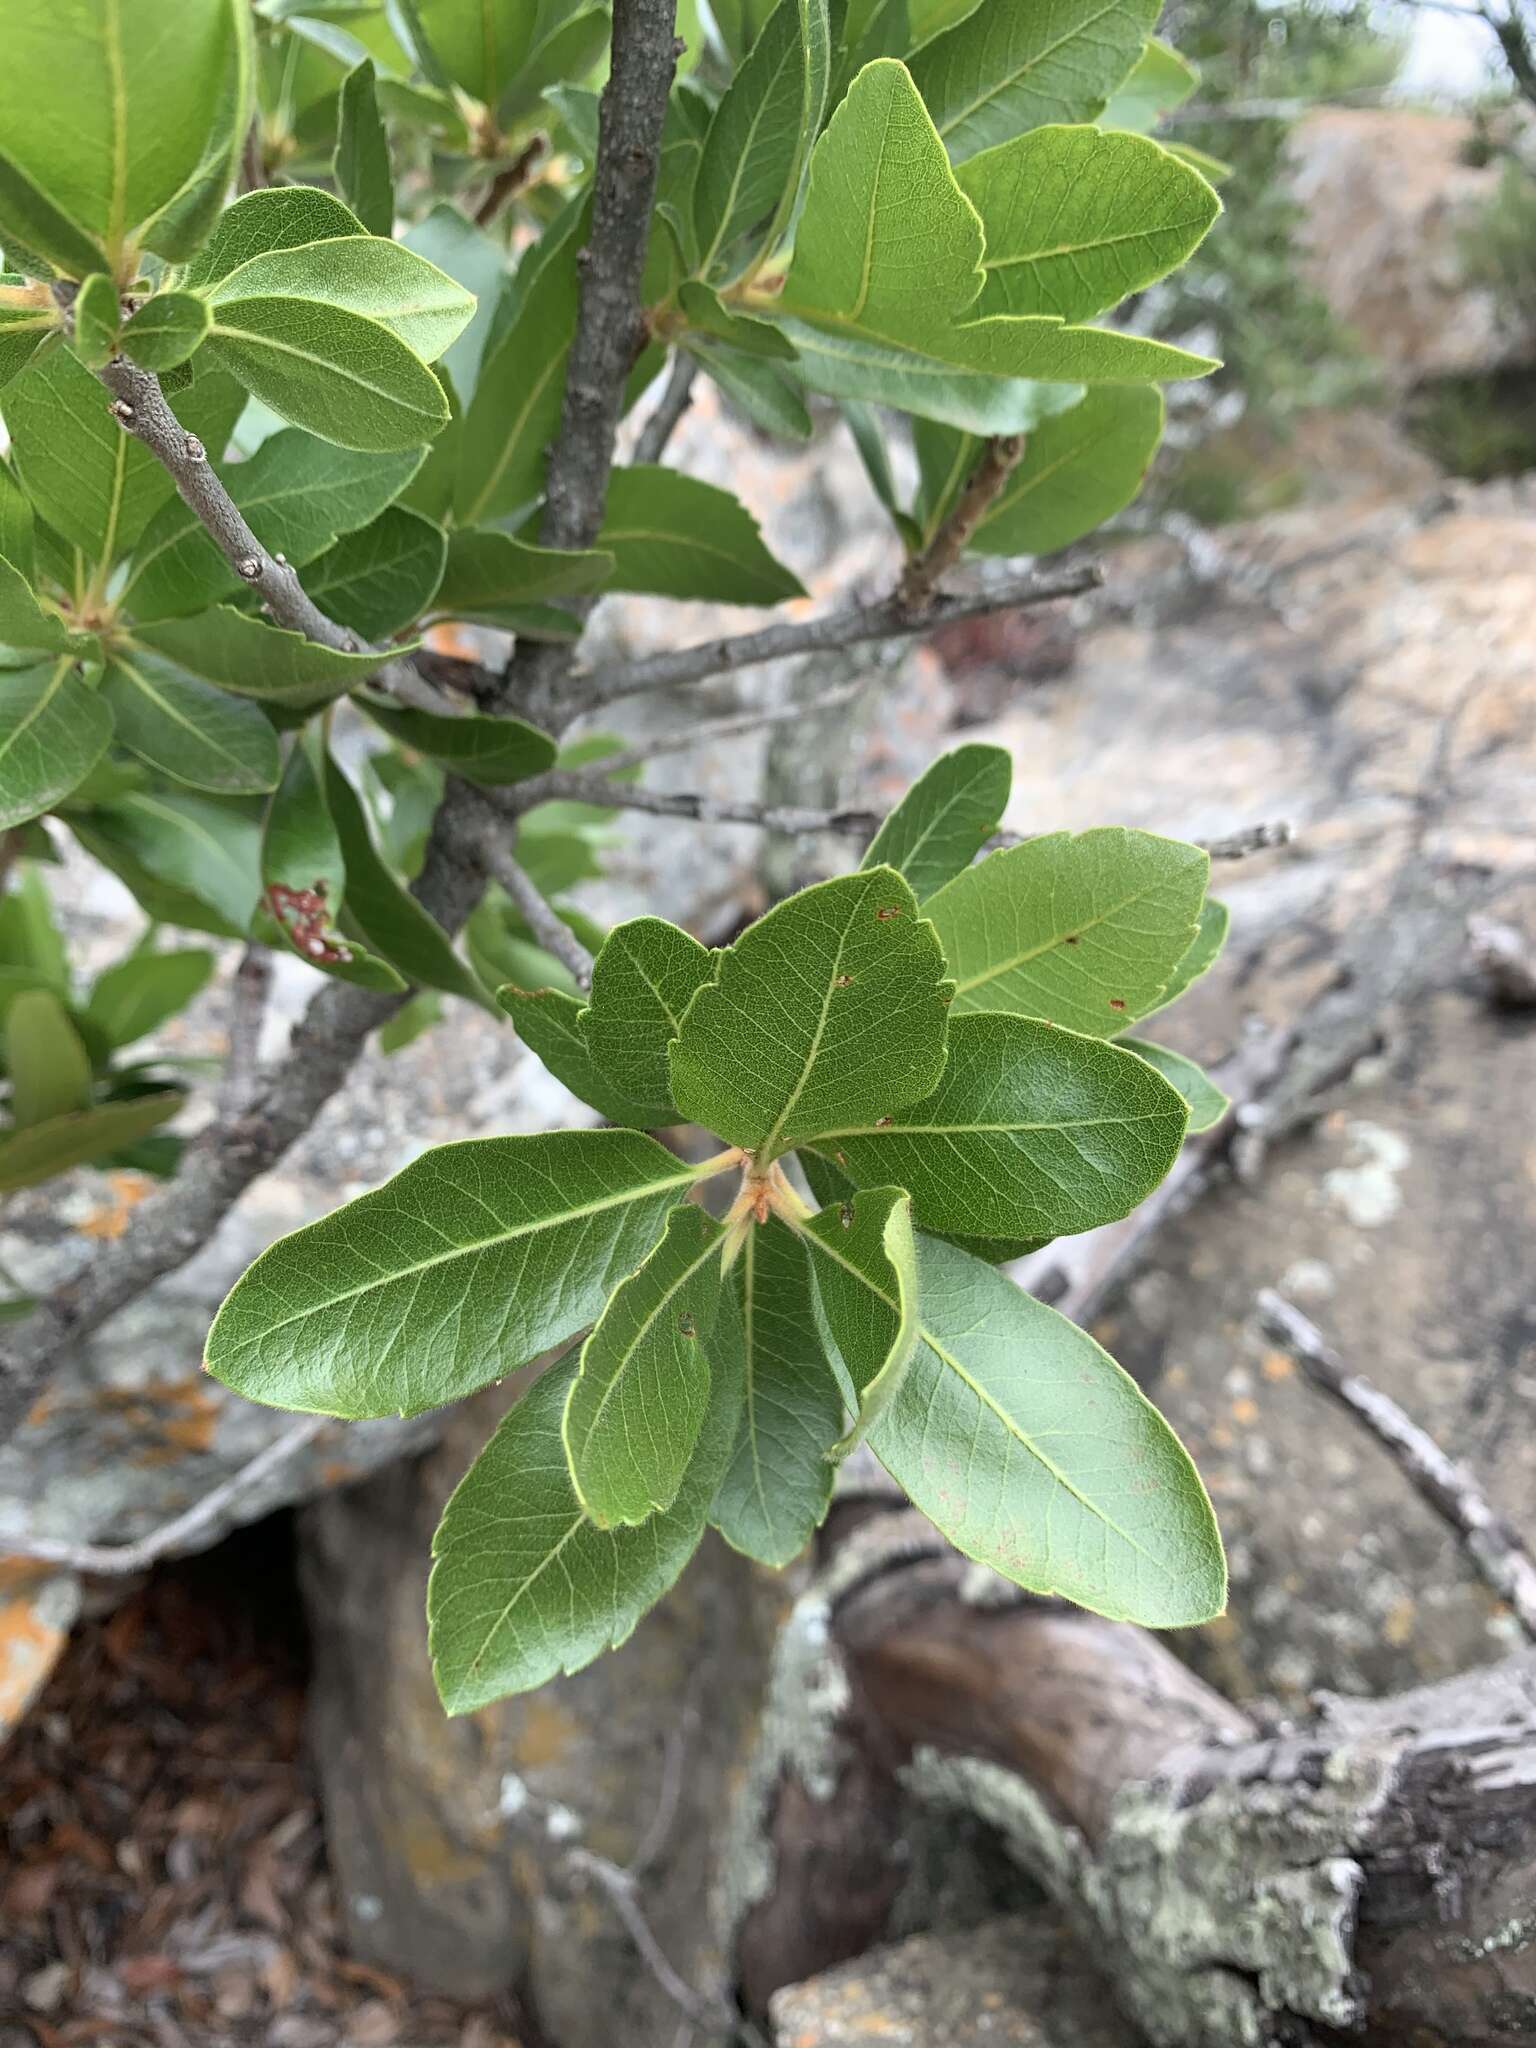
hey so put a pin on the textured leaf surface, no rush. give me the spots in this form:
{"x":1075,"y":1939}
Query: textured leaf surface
{"x":637,"y":1406}
{"x":1160,"y":81}
{"x":383,"y":577}
{"x":945,"y":818}
{"x":254,"y":659}
{"x":1035,"y":1454}
{"x":166,"y":331}
{"x":494,"y":751}
{"x":1032,"y":1132}
{"x":762,"y":131}
{"x":23,"y":622}
{"x":298,"y":494}
{"x":831,"y":1007}
{"x":525,"y":1586}
{"x":515,"y":413}
{"x":471,"y":1261}
{"x":645,"y":976}
{"x":548,"y":1020}
{"x":1082,"y":929}
{"x":1009,"y":67}
{"x":53,"y":731}
{"x":304,"y":876}
{"x":186,"y":728}
{"x":889,"y":252}
{"x":676,"y":536}
{"x":186,"y":859}
{"x":1205,"y":949}
{"x":141,"y":993}
{"x":362,"y":274}
{"x":342,"y":375}
{"x":1076,"y":219}
{"x":480,"y":44}
{"x":276,"y":217}
{"x":1078,"y":470}
{"x":1207,"y":1104}
{"x":98,"y":315}
{"x":776,"y":1488}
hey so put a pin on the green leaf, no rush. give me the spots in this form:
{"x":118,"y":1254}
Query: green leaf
{"x":637,"y":1406}
{"x":889,"y":254}
{"x":97,"y":319}
{"x":849,"y":366}
{"x":1160,"y":81}
{"x":1210,"y":937}
{"x":360,"y":165}
{"x":515,"y":412}
{"x":43,"y":1150}
{"x":777,"y":1486}
{"x":644,"y":977}
{"x":474,"y":1259}
{"x":708,"y":315}
{"x":831,"y":1185}
{"x":18,"y":532}
{"x":304,"y":877}
{"x":186,"y":859}
{"x":48,"y":1066}
{"x":379,"y":280}
{"x":491,"y":575}
{"x":276,"y":217}
{"x":298,"y":495}
{"x":492,"y":751}
{"x":144,"y":991}
{"x":944,"y":819}
{"x":875,"y":1345}
{"x":674,"y":536}
{"x":1079,"y":469}
{"x":344,"y":376}
{"x":759,"y":389}
{"x":1076,"y":220}
{"x":830,"y":1007}
{"x":548,"y":1020}
{"x":382,"y":578}
{"x":384,"y":910}
{"x":1032,"y":1132}
{"x":167,"y":330}
{"x":1207,"y":1104}
{"x":93,"y":483}
{"x":761,"y":134}
{"x":29,"y":934}
{"x":480,"y":44}
{"x":1084,"y":929}
{"x":53,"y":731}
{"x":1032,"y":1451}
{"x":254,"y":659}
{"x":740,"y":22}
{"x":186,"y":728}
{"x":23,"y":622}
{"x":568,"y":50}
{"x":524,"y":1585}
{"x":146,"y":92}
{"x":1008,"y":68}
{"x":28,"y":317}
{"x":474,"y":260}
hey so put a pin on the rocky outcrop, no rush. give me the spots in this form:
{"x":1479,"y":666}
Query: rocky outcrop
{"x":1388,"y":194}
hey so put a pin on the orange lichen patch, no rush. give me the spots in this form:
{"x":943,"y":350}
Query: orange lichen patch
{"x":166,"y":1419}
{"x":337,"y":1472}
{"x":31,"y":1642}
{"x":450,"y":641}
{"x":1277,"y":1365}
{"x":1399,"y":1623}
{"x":1245,"y":1411}
{"x":546,"y":1735}
{"x":112,"y":1218}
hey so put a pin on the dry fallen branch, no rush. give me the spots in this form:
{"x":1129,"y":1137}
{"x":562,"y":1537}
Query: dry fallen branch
{"x":574,"y":785}
{"x":1450,"y":1489}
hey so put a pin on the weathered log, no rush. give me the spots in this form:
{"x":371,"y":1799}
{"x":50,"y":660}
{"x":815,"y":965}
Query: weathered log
{"x":1372,"y":1871}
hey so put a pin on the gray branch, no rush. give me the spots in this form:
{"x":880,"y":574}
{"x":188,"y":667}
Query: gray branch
{"x":729,"y":727}
{"x":886,"y":620}
{"x":570,"y":785}
{"x":670,"y":408}
{"x":543,"y":920}
{"x":1450,"y":1489}
{"x":120,"y":1560}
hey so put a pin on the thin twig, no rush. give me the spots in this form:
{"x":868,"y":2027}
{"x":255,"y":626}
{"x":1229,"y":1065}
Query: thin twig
{"x":885,"y":620}
{"x":510,"y":180}
{"x":610,"y":328}
{"x":619,"y":1889}
{"x":572,"y":785}
{"x":1249,"y":840}
{"x":248,"y":995}
{"x":1450,"y":1489}
{"x":920,"y":579}
{"x":670,"y":407}
{"x":727,"y":727}
{"x":118,"y":1560}
{"x":540,"y":915}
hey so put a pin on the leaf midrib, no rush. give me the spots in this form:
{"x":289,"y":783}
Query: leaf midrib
{"x":1172,"y":227}
{"x":1033,"y":63}
{"x":1088,"y":924}
{"x":627,"y":1356}
{"x":894,"y":1130}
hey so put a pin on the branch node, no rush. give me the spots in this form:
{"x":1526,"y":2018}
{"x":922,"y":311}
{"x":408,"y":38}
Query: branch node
{"x":249,"y":566}
{"x":193,"y":449}
{"x":121,"y":411}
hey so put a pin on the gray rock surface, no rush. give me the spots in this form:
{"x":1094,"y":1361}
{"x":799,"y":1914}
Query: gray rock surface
{"x":1013,"y":1983}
